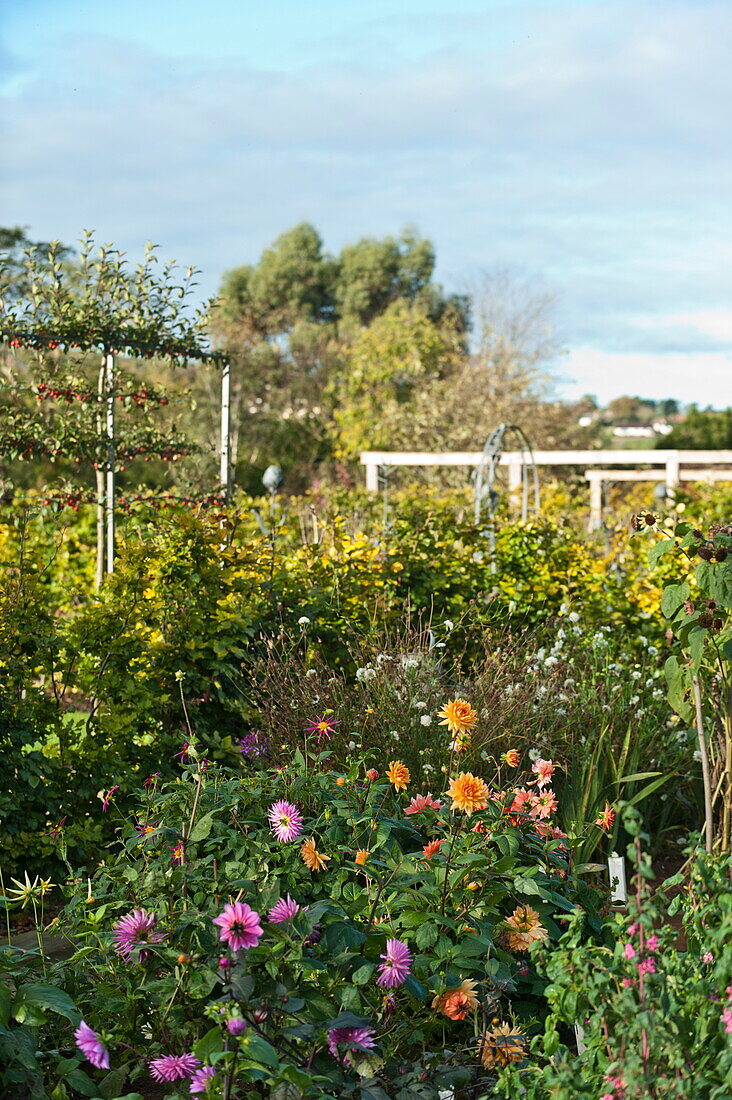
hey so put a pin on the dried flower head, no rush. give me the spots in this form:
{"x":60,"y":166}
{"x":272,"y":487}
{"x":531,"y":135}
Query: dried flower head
{"x":524,"y":928}
{"x":502,"y":1045}
{"x":311,"y":857}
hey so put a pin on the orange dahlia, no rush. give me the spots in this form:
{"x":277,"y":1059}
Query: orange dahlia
{"x":432,"y":848}
{"x":362,"y":854}
{"x":512,"y":758}
{"x":457,"y":715}
{"x":458,"y":1002}
{"x":606,"y":818}
{"x":468,"y":793}
{"x":398,"y":774}
{"x":501,"y":1046}
{"x":311,"y":857}
{"x":524,"y":928}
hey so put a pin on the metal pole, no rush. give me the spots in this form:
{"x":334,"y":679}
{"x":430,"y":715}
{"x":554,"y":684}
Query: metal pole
{"x":225,"y":428}
{"x":109,"y":365}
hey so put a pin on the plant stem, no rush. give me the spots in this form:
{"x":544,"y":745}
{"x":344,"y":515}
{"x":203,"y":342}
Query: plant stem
{"x":708,"y":813}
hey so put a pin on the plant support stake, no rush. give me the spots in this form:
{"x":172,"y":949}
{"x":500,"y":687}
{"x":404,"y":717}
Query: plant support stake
{"x":225,"y":428}
{"x":708,"y":813}
{"x":109,"y":362}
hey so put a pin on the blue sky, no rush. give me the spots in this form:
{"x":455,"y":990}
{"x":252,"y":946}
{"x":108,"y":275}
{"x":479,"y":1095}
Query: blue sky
{"x":586,"y":143}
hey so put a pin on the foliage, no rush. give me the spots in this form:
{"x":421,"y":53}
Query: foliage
{"x":701,"y":430}
{"x":655,"y":1018}
{"x":317,"y":970}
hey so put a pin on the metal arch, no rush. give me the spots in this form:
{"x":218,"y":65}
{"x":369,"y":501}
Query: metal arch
{"x":486,"y":495}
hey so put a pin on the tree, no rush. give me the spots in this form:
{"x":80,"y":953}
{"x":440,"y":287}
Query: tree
{"x":701,"y":430}
{"x":287,"y":323}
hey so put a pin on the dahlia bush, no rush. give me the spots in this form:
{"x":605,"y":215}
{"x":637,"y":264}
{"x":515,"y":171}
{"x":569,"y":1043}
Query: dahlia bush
{"x":301,"y":932}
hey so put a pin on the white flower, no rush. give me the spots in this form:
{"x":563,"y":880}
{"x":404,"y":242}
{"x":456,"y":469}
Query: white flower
{"x":351,"y":745}
{"x":534,"y":754}
{"x":477,"y":556}
{"x":409,"y":663}
{"x":394,"y":735}
{"x":427,"y":768}
{"x":419,"y":705}
{"x":573,"y":617}
{"x":311,"y":672}
{"x":425,"y":720}
{"x":382,"y":657}
{"x":635,"y":674}
{"x":550,"y":662}
{"x":652,"y":650}
{"x":697,"y":754}
{"x":448,"y":625}
{"x":365,"y":674}
{"x":511,"y":606}
{"x":303,"y":620}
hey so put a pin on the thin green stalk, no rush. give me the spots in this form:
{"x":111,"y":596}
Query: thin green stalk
{"x":5,"y":904}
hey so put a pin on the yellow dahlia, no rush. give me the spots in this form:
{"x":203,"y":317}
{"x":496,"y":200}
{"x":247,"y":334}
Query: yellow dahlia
{"x":311,"y":857}
{"x":398,"y":774}
{"x":501,"y":1046}
{"x":524,"y":928}
{"x":458,"y":716}
{"x":468,"y":793}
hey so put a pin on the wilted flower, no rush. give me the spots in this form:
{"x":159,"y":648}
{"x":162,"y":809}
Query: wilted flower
{"x":458,"y":1002}
{"x":173,"y":1067}
{"x":372,"y":775}
{"x":468,"y":793}
{"x":457,"y":715}
{"x":239,"y":926}
{"x":133,"y":931}
{"x":501,"y":1046}
{"x":543,"y":770}
{"x":398,"y":774}
{"x":311,"y":857}
{"x":285,"y":820}
{"x":524,"y":928}
{"x":91,"y":1046}
{"x":396,"y":965}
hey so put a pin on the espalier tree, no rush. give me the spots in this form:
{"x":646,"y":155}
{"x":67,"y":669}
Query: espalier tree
{"x":75,"y":333}
{"x":698,"y":606}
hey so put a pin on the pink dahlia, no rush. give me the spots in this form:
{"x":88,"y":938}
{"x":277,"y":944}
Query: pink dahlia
{"x":239,"y":925}
{"x":350,"y":1038}
{"x":283,"y":910}
{"x":422,"y":802}
{"x":396,"y":965}
{"x":172,"y":1067}
{"x":236,"y":1026}
{"x":135,"y":930}
{"x":200,"y":1079}
{"x":323,"y":726}
{"x":285,"y":820}
{"x":91,"y":1046}
{"x":543,"y":770}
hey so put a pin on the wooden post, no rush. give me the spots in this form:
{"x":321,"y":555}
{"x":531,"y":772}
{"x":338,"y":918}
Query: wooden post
{"x":372,"y":477}
{"x":110,"y":470}
{"x":595,"y":500}
{"x":672,"y":472}
{"x":99,"y":472}
{"x":225,"y":461}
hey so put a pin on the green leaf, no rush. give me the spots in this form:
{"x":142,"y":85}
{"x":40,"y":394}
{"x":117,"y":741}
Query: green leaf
{"x":427,"y":934}
{"x":674,"y":595}
{"x":51,"y":998}
{"x":211,"y":1043}
{"x":363,"y":975}
{"x":6,"y":1000}
{"x":658,"y":550}
{"x":260,"y":1051}
{"x":202,"y":828}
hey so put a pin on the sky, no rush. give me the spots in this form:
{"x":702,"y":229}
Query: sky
{"x":586,"y":144}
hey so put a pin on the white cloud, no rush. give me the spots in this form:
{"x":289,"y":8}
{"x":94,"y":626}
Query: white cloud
{"x":704,"y":378}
